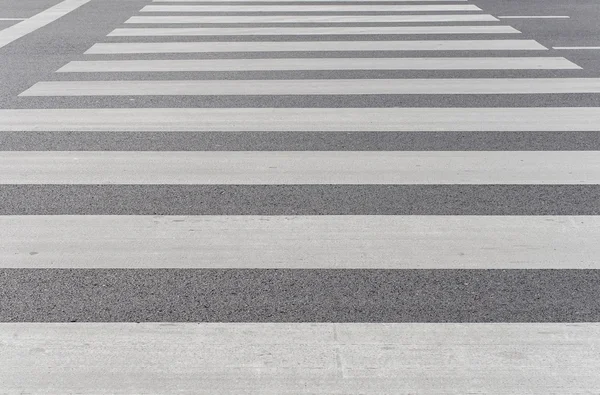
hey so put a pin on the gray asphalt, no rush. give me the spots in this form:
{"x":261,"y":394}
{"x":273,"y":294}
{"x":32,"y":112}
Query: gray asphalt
{"x":299,"y":141}
{"x":25,"y":8}
{"x":5,"y":24}
{"x":300,"y":199}
{"x":178,"y":295}
{"x":295,"y":295}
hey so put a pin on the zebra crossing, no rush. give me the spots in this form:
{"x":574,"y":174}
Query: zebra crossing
{"x":276,"y":196}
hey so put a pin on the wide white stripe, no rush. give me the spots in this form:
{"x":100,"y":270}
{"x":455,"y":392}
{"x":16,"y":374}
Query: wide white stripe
{"x":311,"y":31}
{"x":328,"y":19}
{"x":314,"y":46}
{"x":21,"y":29}
{"x":303,"y":167}
{"x":543,"y":119}
{"x":293,"y":64}
{"x":299,"y":242}
{"x":575,"y":47}
{"x":266,"y":358}
{"x":310,"y":8}
{"x":308,"y":1}
{"x":534,"y":17}
{"x":432,"y":86}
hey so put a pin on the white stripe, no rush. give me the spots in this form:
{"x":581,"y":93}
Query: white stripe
{"x":543,"y":119}
{"x":314,"y":46}
{"x":295,"y":358}
{"x":312,"y":31}
{"x":303,"y":167}
{"x":300,"y":242}
{"x":328,"y":19}
{"x":21,"y":29}
{"x":293,"y":64}
{"x":307,"y":1}
{"x":534,"y":17}
{"x":309,"y":8}
{"x":575,"y":47}
{"x":458,"y":86}
{"x":12,"y":19}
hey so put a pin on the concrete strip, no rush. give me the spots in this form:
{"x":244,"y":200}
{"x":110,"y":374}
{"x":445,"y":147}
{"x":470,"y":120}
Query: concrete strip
{"x":311,"y":8}
{"x":326,"y":19}
{"x":37,"y":21}
{"x":532,"y":119}
{"x":298,"y":358}
{"x":314,"y":46}
{"x":303,"y":167}
{"x":433,"y":86}
{"x":311,"y":31}
{"x":300,"y":242}
{"x":295,"y":64}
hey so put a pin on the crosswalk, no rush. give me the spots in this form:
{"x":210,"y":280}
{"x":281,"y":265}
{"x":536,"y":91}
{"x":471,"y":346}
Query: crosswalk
{"x":303,"y":197}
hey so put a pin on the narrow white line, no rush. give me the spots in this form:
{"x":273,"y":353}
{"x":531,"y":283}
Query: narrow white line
{"x":326,"y":2}
{"x":304,"y":167}
{"x":315,"y":46}
{"x":12,"y":19}
{"x":542,"y":119}
{"x":309,"y":8}
{"x":328,"y":19}
{"x":312,"y":31}
{"x":534,"y":17}
{"x":294,"y":358}
{"x":37,"y":21}
{"x":300,"y":242}
{"x":575,"y":48}
{"x":432,"y":86}
{"x":292,"y":64}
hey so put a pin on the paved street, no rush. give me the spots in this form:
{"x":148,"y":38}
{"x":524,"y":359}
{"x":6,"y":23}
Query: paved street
{"x":308,"y":196}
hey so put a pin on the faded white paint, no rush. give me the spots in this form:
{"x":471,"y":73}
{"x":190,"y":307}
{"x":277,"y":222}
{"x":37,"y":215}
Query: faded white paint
{"x":314,"y":46}
{"x":300,"y":167}
{"x":311,"y":31}
{"x":543,"y":119}
{"x":431,"y":86}
{"x":314,"y":64}
{"x":300,"y":242}
{"x":165,"y":358}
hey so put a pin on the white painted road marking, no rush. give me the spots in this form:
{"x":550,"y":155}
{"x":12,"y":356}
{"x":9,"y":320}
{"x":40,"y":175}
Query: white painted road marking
{"x":300,"y":167}
{"x":300,"y":242}
{"x":261,"y":358}
{"x":310,"y":8}
{"x":432,"y":86}
{"x":327,"y":2}
{"x":315,"y":46}
{"x":575,"y":48}
{"x":327,"y":19}
{"x":311,"y":31}
{"x":293,"y":64}
{"x":37,"y":21}
{"x":534,"y":17}
{"x":467,"y":119}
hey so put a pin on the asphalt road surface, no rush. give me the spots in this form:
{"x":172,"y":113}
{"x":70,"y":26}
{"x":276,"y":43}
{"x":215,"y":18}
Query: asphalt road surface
{"x":284,"y":197}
